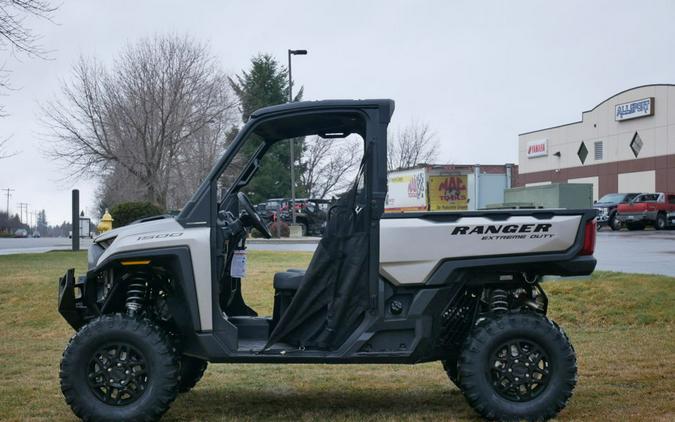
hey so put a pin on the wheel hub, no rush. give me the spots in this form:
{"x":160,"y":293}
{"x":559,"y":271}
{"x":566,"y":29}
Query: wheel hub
{"x":519,"y":370}
{"x":117,"y":374}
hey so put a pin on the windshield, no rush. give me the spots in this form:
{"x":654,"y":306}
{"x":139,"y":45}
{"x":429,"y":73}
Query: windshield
{"x":612,"y":198}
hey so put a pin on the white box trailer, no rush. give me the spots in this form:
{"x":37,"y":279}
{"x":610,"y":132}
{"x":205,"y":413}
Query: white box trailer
{"x":447,"y":187}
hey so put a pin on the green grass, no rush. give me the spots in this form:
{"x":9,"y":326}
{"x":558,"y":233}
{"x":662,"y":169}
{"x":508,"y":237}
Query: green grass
{"x":622,"y":326}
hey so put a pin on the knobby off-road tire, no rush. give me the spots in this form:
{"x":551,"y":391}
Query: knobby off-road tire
{"x":119,"y":368}
{"x":450,"y":368}
{"x":191,"y":371}
{"x":502,"y":356}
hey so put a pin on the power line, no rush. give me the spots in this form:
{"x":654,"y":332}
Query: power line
{"x":8,"y":194}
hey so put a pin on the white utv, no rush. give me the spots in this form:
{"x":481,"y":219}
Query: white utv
{"x":162,"y":297}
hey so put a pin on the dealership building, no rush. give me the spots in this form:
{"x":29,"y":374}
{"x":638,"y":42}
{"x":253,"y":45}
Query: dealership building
{"x":624,"y":144}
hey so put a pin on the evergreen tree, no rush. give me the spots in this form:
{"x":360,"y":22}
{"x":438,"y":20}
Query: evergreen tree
{"x":266,"y":84}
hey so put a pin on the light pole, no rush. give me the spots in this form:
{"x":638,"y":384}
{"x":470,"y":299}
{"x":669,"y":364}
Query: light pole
{"x":290,"y":100}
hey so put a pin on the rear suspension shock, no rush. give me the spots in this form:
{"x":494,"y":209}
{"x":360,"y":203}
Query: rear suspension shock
{"x":499,"y":300}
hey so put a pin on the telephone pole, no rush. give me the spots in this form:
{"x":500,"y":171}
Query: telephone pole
{"x":8,"y":193}
{"x":23,"y":205}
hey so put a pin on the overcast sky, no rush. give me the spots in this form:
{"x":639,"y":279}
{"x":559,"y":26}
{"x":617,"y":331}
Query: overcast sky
{"x":478,"y":73}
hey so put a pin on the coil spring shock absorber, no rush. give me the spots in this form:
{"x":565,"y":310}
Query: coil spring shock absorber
{"x":136,"y":293}
{"x":499,"y":300}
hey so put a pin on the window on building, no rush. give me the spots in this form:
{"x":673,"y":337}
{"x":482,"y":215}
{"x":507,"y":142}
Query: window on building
{"x":597,"y":147}
{"x":582,"y":153}
{"x":636,"y":144}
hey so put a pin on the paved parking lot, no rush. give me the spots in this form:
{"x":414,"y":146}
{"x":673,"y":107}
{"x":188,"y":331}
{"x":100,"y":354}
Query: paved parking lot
{"x":648,"y":251}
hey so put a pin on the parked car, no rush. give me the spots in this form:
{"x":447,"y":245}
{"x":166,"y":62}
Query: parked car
{"x":21,"y":233}
{"x":36,"y":234}
{"x":607,"y":206}
{"x":647,"y":209}
{"x":310,"y":214}
{"x":269,"y":209}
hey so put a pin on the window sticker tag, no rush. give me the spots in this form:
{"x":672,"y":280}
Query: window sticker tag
{"x":238,"y":267}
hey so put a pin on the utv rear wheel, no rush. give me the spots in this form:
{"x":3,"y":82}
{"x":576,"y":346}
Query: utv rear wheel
{"x":517,"y":366}
{"x":119,"y":368}
{"x":191,"y":371}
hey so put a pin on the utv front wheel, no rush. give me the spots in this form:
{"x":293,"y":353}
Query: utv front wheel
{"x":517,"y":366}
{"x":119,"y":368}
{"x":191,"y":371}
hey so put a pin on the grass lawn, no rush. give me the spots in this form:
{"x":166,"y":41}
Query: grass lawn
{"x":622,"y":326}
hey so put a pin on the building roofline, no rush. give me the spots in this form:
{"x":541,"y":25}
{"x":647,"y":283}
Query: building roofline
{"x":593,"y":109}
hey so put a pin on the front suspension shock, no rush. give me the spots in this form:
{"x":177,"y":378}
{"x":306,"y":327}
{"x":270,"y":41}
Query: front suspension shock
{"x":136,"y":293}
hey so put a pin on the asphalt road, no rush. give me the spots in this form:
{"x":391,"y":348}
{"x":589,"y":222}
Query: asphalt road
{"x":647,"y":252}
{"x":43,"y":244}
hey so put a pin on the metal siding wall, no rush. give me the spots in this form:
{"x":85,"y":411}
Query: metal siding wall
{"x":491,"y":189}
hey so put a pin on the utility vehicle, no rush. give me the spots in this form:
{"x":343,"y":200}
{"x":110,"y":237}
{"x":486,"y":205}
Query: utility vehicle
{"x":162,"y":297}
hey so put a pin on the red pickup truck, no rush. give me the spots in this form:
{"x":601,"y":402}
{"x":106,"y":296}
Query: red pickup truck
{"x":647,"y":209}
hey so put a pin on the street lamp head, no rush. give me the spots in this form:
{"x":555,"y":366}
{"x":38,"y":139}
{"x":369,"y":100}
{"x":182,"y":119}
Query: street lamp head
{"x":298,"y":52}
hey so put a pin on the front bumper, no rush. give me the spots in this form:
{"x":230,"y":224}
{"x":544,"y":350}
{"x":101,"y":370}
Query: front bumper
{"x":71,"y":295}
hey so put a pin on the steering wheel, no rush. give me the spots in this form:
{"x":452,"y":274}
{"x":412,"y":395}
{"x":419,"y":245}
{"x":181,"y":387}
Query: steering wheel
{"x":256,"y":221}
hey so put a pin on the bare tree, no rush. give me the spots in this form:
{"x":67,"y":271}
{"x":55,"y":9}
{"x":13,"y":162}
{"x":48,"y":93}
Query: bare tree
{"x":3,"y":150}
{"x":328,"y":165}
{"x":145,"y":117}
{"x":13,"y":28}
{"x":412,"y":145}
{"x":16,"y":35}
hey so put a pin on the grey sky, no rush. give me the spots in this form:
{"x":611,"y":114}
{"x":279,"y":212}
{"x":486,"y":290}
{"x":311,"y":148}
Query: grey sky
{"x":478,"y":72}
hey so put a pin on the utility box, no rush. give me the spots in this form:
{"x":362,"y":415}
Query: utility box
{"x":554,"y":195}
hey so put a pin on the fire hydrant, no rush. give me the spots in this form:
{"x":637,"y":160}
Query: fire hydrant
{"x":106,"y":222}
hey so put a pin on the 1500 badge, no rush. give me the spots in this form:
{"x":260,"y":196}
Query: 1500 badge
{"x":160,"y":236}
{"x":506,"y":231}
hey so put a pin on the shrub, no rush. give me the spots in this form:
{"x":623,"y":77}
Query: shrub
{"x":128,"y":212}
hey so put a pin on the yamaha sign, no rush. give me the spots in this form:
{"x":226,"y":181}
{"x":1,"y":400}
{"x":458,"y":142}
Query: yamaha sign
{"x":634,"y":109}
{"x":537,"y":148}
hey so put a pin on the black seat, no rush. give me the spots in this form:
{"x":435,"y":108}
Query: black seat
{"x":289,"y":280}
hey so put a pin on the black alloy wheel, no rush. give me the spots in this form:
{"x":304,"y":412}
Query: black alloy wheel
{"x":117,"y":374}
{"x":520,"y":370}
{"x":119,"y":368}
{"x":517,"y":365}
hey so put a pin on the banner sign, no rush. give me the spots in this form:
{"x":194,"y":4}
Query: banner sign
{"x":634,"y":109}
{"x":448,"y":193}
{"x":537,"y":148}
{"x":406,"y":191}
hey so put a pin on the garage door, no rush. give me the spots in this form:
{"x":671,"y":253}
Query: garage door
{"x":639,"y":181}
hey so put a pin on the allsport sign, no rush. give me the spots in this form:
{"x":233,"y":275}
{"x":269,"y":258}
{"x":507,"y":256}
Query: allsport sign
{"x":634,"y":109}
